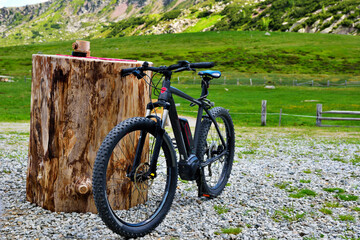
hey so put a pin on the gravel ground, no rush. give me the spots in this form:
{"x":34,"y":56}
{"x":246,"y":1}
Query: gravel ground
{"x":276,"y":191}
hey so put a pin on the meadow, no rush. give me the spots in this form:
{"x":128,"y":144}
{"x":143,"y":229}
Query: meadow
{"x":275,"y":59}
{"x":244,"y":102}
{"x":236,"y":54}
{"x":298,"y":104}
{"x":15,"y":101}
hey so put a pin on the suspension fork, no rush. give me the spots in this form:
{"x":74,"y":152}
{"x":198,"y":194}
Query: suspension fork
{"x":139,"y":150}
{"x":160,"y":124}
{"x":164,"y":97}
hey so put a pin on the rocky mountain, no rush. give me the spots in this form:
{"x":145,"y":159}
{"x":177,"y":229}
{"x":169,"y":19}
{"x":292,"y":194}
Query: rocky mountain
{"x":68,"y":19}
{"x":78,"y":19}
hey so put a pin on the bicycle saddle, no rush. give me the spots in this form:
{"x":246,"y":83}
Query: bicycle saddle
{"x":210,"y":73}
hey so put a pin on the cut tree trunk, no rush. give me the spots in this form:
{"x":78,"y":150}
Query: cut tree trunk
{"x":75,"y":102}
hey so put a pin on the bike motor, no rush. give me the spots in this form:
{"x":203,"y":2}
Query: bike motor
{"x":189,"y":169}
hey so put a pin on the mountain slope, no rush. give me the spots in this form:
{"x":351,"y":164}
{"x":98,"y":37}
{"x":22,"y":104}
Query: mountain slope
{"x":78,"y":19}
{"x":70,"y":19}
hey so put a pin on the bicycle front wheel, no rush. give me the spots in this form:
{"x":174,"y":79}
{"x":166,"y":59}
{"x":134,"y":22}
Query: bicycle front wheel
{"x":132,"y":205}
{"x":215,"y":174}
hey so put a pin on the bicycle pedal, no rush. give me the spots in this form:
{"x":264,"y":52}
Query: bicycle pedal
{"x":205,"y":196}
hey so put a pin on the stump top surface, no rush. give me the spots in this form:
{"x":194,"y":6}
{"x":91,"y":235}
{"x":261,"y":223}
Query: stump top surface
{"x":94,"y":59}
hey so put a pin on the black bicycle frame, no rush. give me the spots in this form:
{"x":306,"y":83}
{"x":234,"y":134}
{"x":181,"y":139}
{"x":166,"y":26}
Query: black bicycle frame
{"x":166,"y":100}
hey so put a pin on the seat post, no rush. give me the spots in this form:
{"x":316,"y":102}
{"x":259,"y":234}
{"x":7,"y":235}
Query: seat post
{"x":205,"y":85}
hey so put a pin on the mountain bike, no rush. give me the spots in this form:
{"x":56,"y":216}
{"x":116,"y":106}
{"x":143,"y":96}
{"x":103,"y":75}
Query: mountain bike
{"x":136,"y":170}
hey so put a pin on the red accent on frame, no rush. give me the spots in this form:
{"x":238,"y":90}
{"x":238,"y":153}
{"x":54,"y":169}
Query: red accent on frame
{"x":163,"y":89}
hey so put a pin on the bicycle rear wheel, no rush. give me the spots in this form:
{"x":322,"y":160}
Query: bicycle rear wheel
{"x":133,"y":206}
{"x":214,"y":176}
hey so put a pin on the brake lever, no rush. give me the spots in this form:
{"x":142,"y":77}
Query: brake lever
{"x":181,"y":69}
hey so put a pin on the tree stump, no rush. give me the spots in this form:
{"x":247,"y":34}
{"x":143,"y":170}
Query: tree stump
{"x":75,"y":102}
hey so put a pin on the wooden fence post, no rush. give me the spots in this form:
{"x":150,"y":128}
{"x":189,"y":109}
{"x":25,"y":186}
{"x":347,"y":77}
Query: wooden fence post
{"x":250,"y":82}
{"x":263,"y":113}
{"x":318,"y":114}
{"x":280,"y":117}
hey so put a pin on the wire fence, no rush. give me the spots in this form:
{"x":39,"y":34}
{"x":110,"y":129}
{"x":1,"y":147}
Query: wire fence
{"x":241,"y":81}
{"x":15,"y":79}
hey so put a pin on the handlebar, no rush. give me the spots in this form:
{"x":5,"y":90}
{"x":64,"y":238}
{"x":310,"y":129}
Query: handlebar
{"x":127,"y":71}
{"x":180,"y":66}
{"x":202,"y":65}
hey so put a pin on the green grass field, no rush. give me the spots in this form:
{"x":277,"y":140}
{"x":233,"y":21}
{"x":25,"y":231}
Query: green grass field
{"x":244,"y":102}
{"x":15,"y":101}
{"x":237,"y":54}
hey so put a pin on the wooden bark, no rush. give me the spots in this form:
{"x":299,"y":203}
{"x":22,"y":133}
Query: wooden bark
{"x":75,"y":102}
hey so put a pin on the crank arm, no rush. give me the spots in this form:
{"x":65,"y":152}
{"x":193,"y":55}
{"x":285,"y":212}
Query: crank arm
{"x":213,"y":159}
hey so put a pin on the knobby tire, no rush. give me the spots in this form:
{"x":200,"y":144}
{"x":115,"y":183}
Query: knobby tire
{"x":213,"y":178}
{"x":130,"y":207}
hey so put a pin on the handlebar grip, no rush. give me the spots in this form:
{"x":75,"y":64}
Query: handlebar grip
{"x":174,"y":66}
{"x":202,"y":65}
{"x":127,"y":71}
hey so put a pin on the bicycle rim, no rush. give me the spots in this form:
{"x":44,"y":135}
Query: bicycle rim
{"x":132,"y":205}
{"x":135,"y":202}
{"x":216,"y":172}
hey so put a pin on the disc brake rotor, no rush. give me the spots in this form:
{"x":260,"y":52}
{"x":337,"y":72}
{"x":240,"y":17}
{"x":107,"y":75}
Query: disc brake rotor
{"x":141,"y":184}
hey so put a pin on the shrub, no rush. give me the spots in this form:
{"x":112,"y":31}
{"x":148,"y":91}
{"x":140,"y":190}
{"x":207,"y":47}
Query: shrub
{"x":347,"y":23}
{"x":337,"y":16}
{"x":55,"y":26}
{"x":326,"y":25}
{"x":193,"y":10}
{"x":118,"y":27}
{"x":310,"y":21}
{"x":35,"y":34}
{"x":230,"y":10}
{"x":204,"y":14}
{"x":171,"y":14}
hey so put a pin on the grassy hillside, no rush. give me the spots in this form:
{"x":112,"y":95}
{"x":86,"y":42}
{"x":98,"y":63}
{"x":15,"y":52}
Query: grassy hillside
{"x":248,"y":54}
{"x":65,"y":19}
{"x":327,"y":16}
{"x":293,"y":15}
